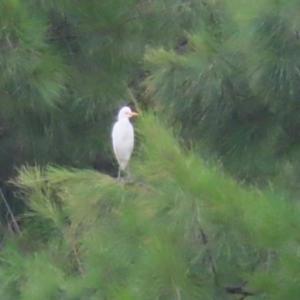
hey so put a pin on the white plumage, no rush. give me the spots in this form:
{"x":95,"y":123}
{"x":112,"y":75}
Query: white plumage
{"x":123,"y":138}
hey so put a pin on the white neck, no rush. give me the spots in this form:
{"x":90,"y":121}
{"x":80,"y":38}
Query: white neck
{"x":123,"y":118}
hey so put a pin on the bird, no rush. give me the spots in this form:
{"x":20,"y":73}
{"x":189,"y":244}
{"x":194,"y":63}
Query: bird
{"x":123,"y":139}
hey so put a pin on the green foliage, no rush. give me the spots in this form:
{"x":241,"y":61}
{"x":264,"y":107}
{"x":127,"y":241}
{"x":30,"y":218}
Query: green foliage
{"x":225,"y":74}
{"x":182,"y":230}
{"x":65,"y":67}
{"x":234,"y":85}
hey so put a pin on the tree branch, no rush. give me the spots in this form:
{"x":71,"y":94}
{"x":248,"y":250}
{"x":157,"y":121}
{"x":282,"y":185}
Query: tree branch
{"x":11,"y":214}
{"x":213,"y":268}
{"x":238,"y":290}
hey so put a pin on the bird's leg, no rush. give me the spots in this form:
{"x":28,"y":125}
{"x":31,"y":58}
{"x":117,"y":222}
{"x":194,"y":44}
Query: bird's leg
{"x":119,"y":174}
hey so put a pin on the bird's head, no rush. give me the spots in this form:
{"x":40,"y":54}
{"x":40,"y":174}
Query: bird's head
{"x":126,"y":113}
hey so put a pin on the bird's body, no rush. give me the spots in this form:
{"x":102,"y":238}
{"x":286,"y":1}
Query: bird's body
{"x":123,"y":141}
{"x":123,"y":138}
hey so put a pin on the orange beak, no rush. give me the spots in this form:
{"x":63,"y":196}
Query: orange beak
{"x":133,"y":114}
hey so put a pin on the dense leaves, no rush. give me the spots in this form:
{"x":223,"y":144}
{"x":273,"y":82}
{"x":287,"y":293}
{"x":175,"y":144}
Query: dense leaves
{"x":182,"y":230}
{"x":224,"y":75}
{"x":235,"y":85}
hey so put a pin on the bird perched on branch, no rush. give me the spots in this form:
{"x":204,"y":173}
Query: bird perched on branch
{"x":123,"y":139}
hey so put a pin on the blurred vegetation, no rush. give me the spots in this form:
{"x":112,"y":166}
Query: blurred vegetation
{"x":213,"y":212}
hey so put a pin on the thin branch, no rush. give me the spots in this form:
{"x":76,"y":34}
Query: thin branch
{"x":178,"y":294}
{"x":210,"y":258}
{"x":11,"y":214}
{"x":205,"y":242}
{"x":237,"y":290}
{"x":75,"y":252}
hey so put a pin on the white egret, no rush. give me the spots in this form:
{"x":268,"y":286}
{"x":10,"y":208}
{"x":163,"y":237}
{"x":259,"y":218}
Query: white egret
{"x":123,"y":138}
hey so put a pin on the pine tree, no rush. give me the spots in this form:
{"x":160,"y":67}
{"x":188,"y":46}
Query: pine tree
{"x":65,"y":71}
{"x":225,"y":74}
{"x":183,"y":230}
{"x":65,"y":67}
{"x":233,"y":88}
